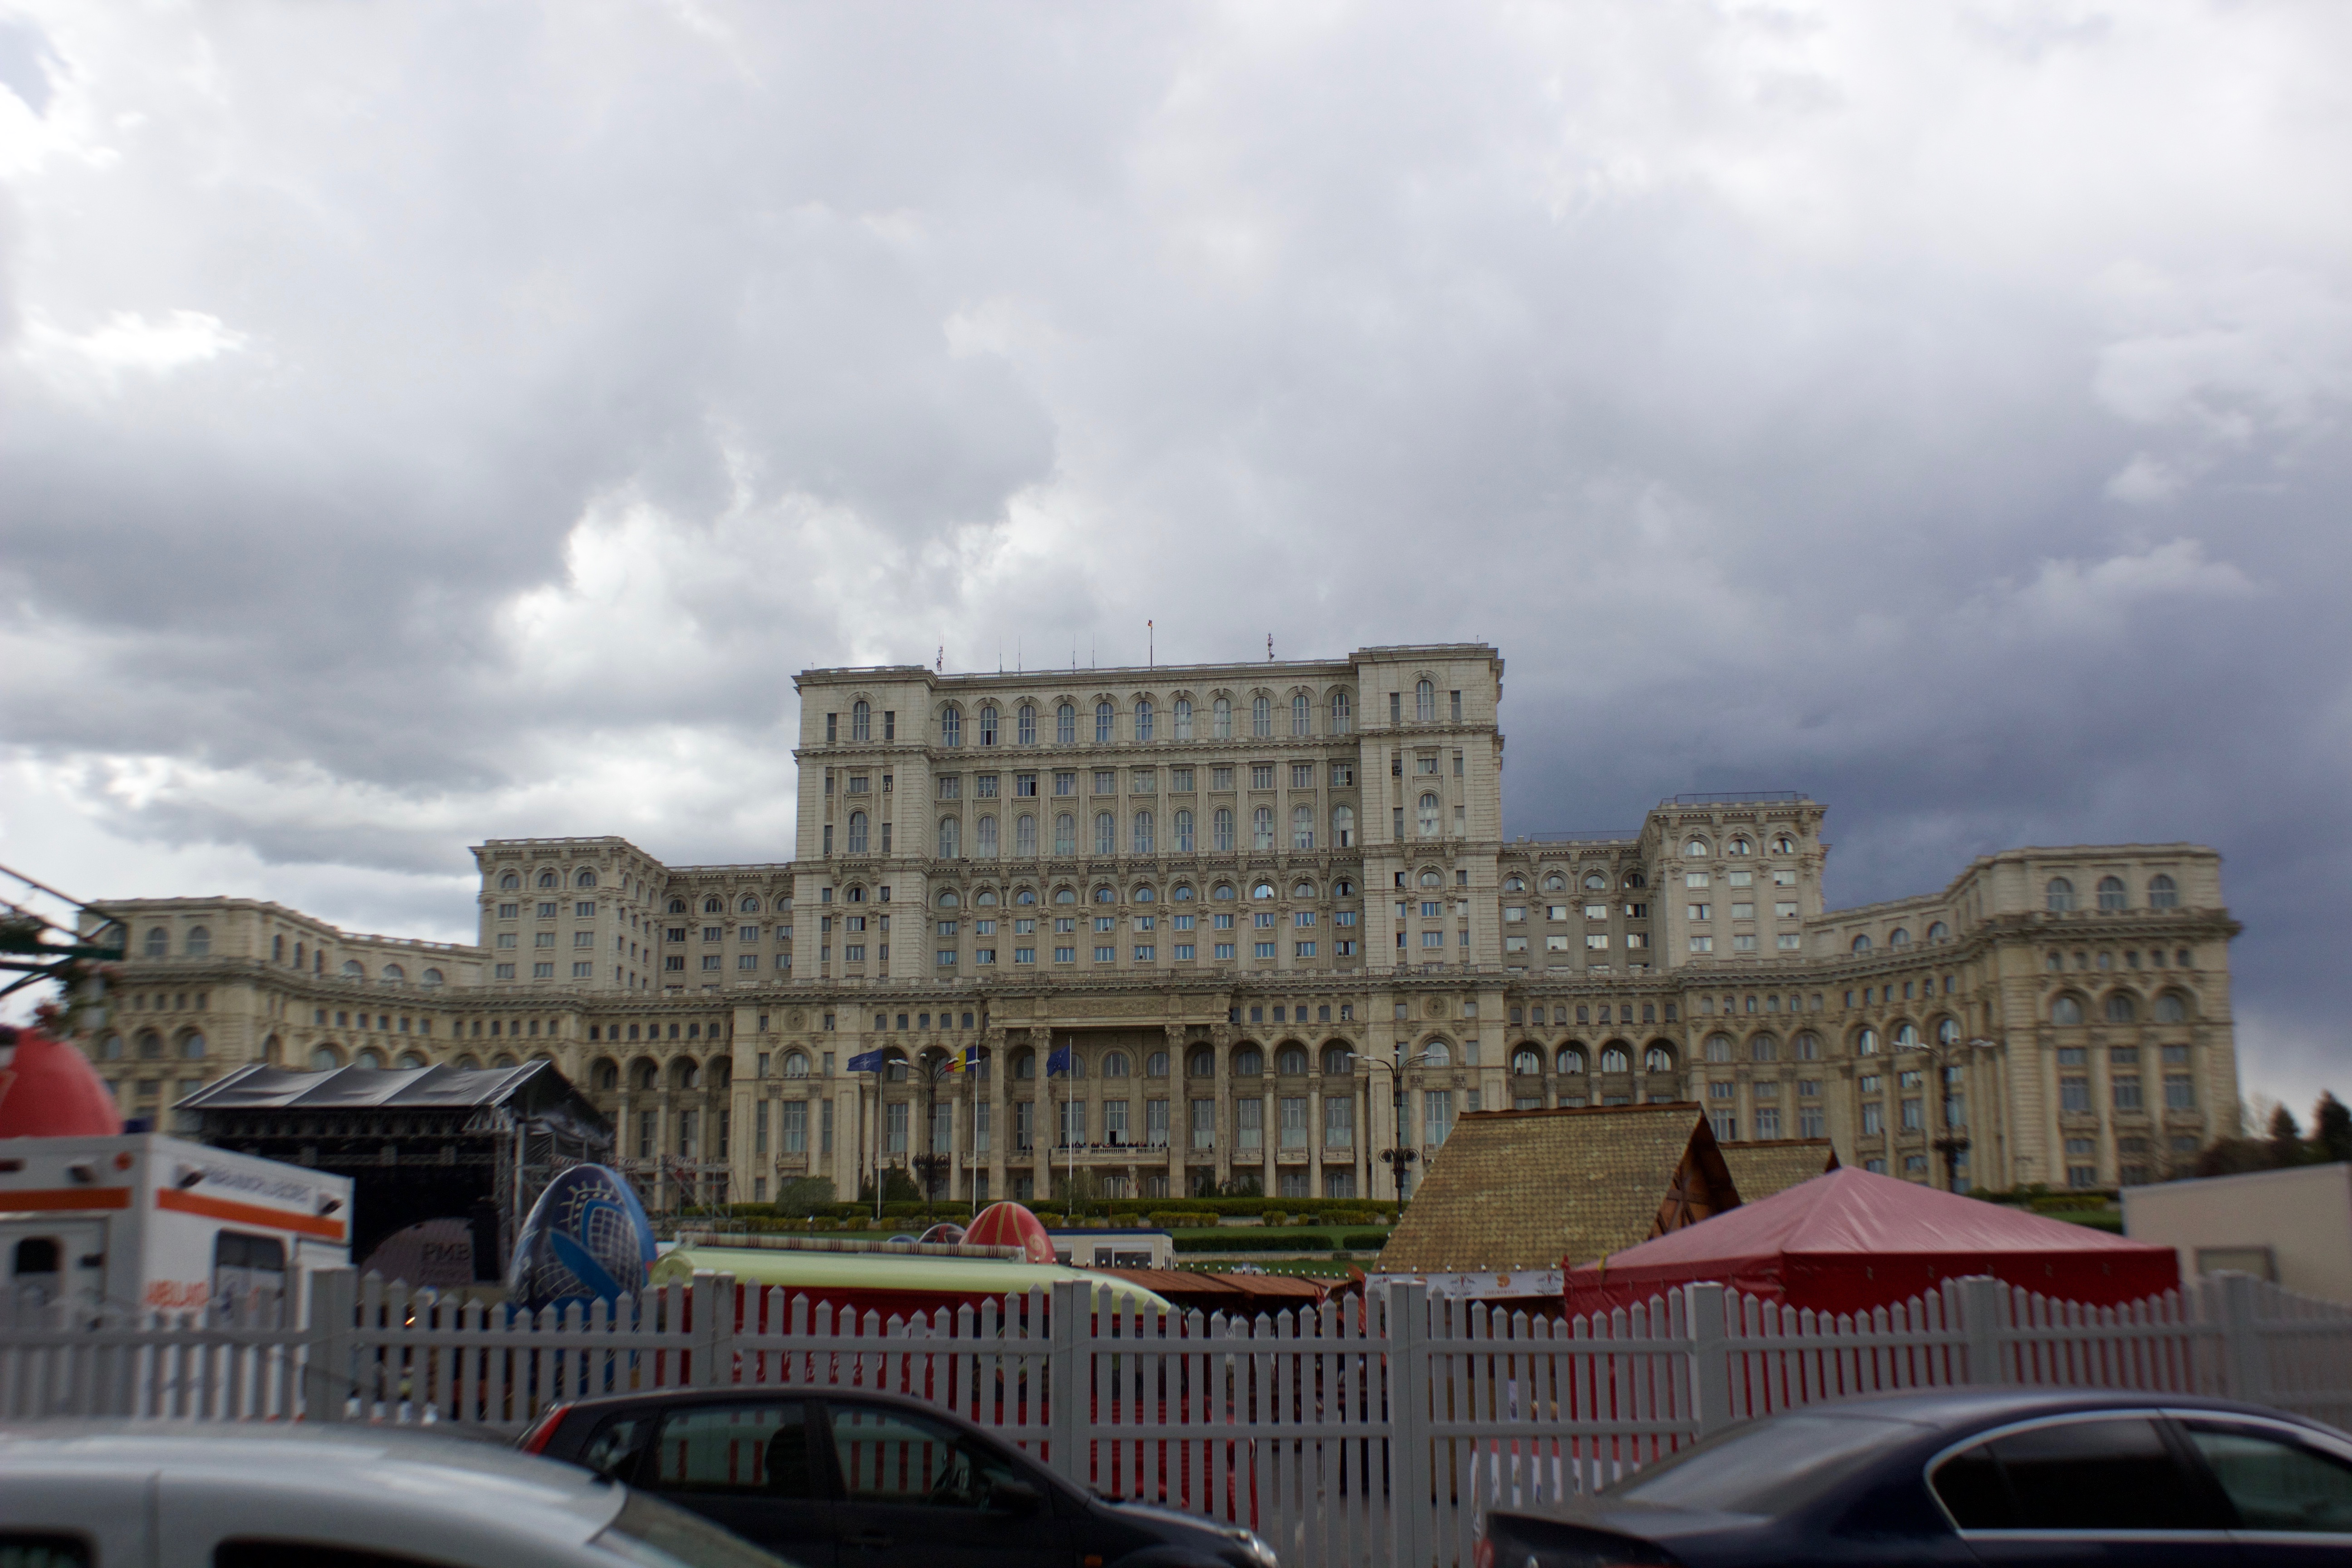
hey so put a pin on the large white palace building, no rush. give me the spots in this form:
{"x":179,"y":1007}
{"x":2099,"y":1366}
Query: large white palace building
{"x":1272,"y":911}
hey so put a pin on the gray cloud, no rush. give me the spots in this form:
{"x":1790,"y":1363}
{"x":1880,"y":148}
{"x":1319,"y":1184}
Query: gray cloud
{"x":423,"y":423}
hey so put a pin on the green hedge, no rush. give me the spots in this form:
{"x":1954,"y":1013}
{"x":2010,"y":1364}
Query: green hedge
{"x":1124,"y":1213}
{"x":1363,"y":1241}
{"x":1254,"y":1241}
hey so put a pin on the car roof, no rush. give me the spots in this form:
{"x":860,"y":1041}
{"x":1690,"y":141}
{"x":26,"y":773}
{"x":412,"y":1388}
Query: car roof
{"x":389,"y":1465}
{"x":738,"y":1392}
{"x":1948,"y":1408}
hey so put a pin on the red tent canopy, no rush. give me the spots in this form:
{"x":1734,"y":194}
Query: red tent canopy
{"x":1850,"y":1240}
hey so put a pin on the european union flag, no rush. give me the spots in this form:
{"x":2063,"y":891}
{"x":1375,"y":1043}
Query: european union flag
{"x":1058,"y":1062}
{"x":870,"y":1062}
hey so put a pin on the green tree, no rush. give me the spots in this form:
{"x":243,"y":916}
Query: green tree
{"x":2331,"y":1129}
{"x":2285,"y":1138}
{"x":898,"y":1187}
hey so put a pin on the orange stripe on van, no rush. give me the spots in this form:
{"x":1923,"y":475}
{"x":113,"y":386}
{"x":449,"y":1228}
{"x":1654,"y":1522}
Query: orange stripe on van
{"x":324,"y":1227}
{"x":48,"y":1199}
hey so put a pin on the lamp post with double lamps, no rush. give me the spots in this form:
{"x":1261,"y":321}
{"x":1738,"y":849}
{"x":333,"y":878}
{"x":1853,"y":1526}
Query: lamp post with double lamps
{"x":1951,"y":1139}
{"x":1403,"y":1153}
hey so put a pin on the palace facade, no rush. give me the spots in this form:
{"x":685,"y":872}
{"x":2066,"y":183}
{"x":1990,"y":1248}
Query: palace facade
{"x":1272,"y":912}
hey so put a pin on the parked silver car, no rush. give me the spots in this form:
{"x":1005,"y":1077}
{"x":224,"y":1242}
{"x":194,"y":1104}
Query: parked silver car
{"x":269,"y":1495}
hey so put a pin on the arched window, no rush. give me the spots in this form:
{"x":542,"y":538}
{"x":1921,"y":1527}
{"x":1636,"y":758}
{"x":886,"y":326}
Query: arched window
{"x":1570,"y":1060}
{"x":394,"y":975}
{"x":678,"y":906}
{"x":1336,"y":1061}
{"x":159,"y":944}
{"x":1066,"y":725}
{"x":1222,"y":830}
{"x":411,"y":1059}
{"x":1184,"y":825}
{"x":1141,"y":836}
{"x":1201,"y":1064}
{"x":1103,"y":895}
{"x":1106,"y":721}
{"x":748,"y":904}
{"x":1898,"y":937}
{"x":1430,"y":878}
{"x":2121,"y":1009}
{"x":1424,"y":702}
{"x":1614,"y":1058}
{"x":2059,"y":896}
{"x":1024,"y":725}
{"x":1065,"y":835}
{"x":1025,"y":1063}
{"x":858,"y":833}
{"x":1948,"y":1031}
{"x":1106,"y":834}
{"x":1695,"y":848}
{"x":1635,"y":879}
{"x":1299,"y":710}
{"x":2171,"y":1008}
{"x":354,"y":970}
{"x":369,"y":1061}
{"x":1437,"y":1054}
{"x":1262,"y":827}
{"x":1784,"y":845}
{"x":1302,"y":827}
{"x":1115,"y":1064}
{"x":983,"y":832}
{"x":1718,"y":1047}
{"x":1865,"y":1042}
{"x":1425,"y":815}
{"x":2162,"y":894}
{"x":1261,"y":891}
{"x":151,"y":1045}
{"x":1026,"y":896}
{"x":1291,"y":1061}
{"x":1220,"y":719}
{"x":2066,"y":1012}
{"x":1939,"y":933}
{"x":509,"y":882}
{"x":988,"y":724}
{"x":191,"y":1047}
{"x":985,"y":899}
{"x":110,"y":1048}
{"x":861,"y":721}
{"x":2112,"y":896}
{"x":431,"y":978}
{"x":1261,"y":715}
{"x":1907,"y":1036}
{"x":950,"y":726}
{"x":1764,"y":1048}
{"x":1657,"y":1058}
{"x":1862,"y":943}
{"x":1024,"y":836}
{"x":1740,"y":846}
{"x":1515,"y":884}
{"x":1302,"y":889}
{"x":1556,"y":883}
{"x":1526,"y":1062}
{"x":1342,"y":713}
{"x":950,"y":898}
{"x":323,"y":1058}
{"x":714,"y":905}
{"x":200,"y":941}
{"x":1343,"y":888}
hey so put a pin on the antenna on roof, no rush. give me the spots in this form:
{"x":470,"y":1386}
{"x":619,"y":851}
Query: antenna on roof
{"x":1269,"y":647}
{"x":1150,"y":647}
{"x":939,"y":664}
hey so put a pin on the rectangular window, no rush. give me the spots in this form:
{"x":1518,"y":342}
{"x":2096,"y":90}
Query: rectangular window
{"x":1873,"y":1119}
{"x":1024,"y":956}
{"x":1913,"y":1117}
{"x":1302,"y":775}
{"x":1261,"y":775}
{"x":1702,"y":945}
{"x":2179,"y":1092}
{"x":2126,"y":1091}
{"x":1810,"y":1121}
{"x":1155,"y":1122}
{"x":1598,"y":941}
{"x":1145,"y":954}
{"x":1204,"y":1124}
{"x":792,"y":1125}
{"x":1183,"y":951}
{"x":1338,"y":1123}
{"x":983,"y":1122}
{"x":1225,"y":950}
{"x":1437,"y":1116}
{"x":1105,"y":954}
{"x":825,"y":1126}
{"x":1065,"y":955}
{"x":1249,"y":1123}
{"x":2074,"y":1095}
{"x":1293,"y":1110}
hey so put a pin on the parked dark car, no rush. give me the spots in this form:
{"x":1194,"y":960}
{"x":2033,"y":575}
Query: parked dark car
{"x":839,"y":1478}
{"x":2014,"y":1480}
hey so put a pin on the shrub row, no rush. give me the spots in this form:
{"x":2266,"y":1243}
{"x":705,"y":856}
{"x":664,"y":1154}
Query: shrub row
{"x":1254,"y":1241}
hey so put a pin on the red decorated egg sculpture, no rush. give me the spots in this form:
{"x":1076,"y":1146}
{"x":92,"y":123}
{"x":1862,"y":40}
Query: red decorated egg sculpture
{"x":1010,"y":1224}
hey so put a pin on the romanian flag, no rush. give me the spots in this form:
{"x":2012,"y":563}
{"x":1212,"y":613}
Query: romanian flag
{"x":961,"y":1060}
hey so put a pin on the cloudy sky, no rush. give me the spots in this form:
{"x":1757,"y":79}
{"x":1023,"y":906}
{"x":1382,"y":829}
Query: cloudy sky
{"x":421,"y":423}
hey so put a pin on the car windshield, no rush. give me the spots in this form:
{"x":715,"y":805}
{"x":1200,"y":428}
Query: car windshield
{"x":654,"y":1534}
{"x":1768,"y":1468}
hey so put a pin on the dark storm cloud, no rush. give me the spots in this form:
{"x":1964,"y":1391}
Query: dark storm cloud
{"x":428,"y":422}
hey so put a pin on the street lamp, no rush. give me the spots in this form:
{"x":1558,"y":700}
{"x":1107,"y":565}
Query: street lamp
{"x":1951,"y":1141}
{"x":1402,"y":1154}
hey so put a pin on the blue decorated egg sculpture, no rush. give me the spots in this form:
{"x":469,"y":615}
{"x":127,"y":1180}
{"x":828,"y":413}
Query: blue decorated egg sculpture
{"x":587,"y":1239}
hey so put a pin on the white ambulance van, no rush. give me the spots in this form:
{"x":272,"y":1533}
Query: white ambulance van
{"x":144,"y":1222}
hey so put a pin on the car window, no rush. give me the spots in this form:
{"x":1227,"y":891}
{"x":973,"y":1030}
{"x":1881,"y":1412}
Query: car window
{"x":614,"y":1450}
{"x":652,"y":1533}
{"x":1766,"y":1467}
{"x":757,"y":1447}
{"x":2110,"y":1474}
{"x":19,"y":1549}
{"x":2275,"y":1483}
{"x":1972,"y":1491}
{"x":892,"y":1456}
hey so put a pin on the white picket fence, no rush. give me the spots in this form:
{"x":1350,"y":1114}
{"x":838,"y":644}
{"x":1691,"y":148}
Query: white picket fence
{"x":1368,"y":1433}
